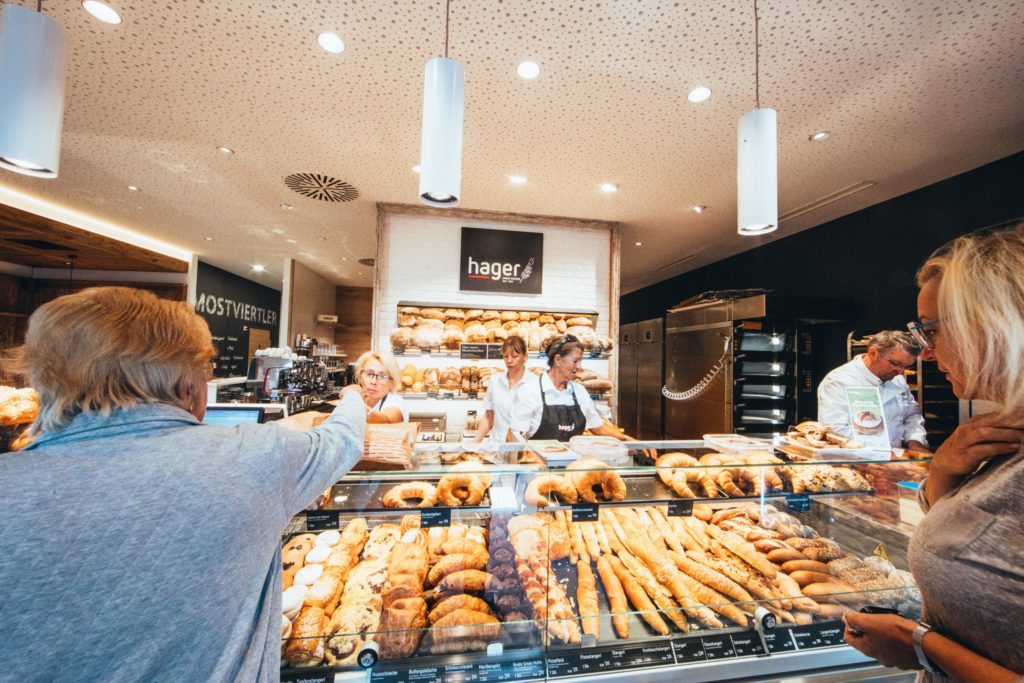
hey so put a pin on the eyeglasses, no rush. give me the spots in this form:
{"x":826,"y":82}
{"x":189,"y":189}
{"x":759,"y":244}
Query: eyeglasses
{"x":924,"y":337}
{"x":566,"y":340}
{"x":898,"y":366}
{"x":371,"y":376}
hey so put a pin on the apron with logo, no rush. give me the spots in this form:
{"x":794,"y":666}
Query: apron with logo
{"x":560,"y":422}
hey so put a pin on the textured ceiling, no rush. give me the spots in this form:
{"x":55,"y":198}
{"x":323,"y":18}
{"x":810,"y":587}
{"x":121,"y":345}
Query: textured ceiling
{"x":911,"y":93}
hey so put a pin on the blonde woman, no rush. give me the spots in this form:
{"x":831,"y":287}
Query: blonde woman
{"x":967,"y":555}
{"x":141,"y":542}
{"x":376,"y":374}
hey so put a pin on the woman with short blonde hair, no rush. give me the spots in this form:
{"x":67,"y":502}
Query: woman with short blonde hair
{"x":157,"y":517}
{"x":377,"y":373}
{"x":968,"y":552}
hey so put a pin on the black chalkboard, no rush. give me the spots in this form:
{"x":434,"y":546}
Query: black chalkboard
{"x":501,"y":261}
{"x":232,"y":307}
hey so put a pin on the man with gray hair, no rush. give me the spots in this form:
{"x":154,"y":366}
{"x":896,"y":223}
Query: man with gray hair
{"x":890,"y":353}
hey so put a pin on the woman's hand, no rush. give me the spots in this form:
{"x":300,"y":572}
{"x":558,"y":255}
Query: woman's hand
{"x":979,"y":439}
{"x":885,"y":637}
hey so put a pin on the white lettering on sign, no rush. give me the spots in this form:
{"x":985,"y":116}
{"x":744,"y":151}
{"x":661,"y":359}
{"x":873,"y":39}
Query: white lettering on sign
{"x":239,"y":310}
{"x":496,"y":270}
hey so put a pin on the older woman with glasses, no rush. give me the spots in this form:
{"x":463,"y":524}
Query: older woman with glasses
{"x":376,"y":374}
{"x":967,"y":555}
{"x":142,"y":543}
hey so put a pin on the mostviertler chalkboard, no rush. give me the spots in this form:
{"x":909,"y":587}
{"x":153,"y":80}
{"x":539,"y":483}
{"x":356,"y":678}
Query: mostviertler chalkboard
{"x":233,"y":307}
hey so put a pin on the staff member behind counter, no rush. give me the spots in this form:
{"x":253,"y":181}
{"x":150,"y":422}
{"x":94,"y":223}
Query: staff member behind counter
{"x":502,"y":392}
{"x":556,"y":407}
{"x":376,"y":373}
{"x":890,"y":353}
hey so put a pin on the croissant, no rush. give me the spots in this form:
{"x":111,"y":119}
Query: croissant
{"x":474,"y":629}
{"x":401,"y":628}
{"x":734,"y":480}
{"x":454,"y":563}
{"x":679,"y":479}
{"x":595,"y":474}
{"x":554,"y":483}
{"x":461,"y":488}
{"x":467,"y":580}
{"x":457,"y":546}
{"x":396,"y":496}
{"x":457,"y":602}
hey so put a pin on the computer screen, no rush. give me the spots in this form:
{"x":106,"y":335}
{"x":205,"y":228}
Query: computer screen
{"x":228,"y":417}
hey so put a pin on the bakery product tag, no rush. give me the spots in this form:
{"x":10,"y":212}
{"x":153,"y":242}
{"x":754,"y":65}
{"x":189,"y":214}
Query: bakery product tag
{"x":680,"y":508}
{"x":584,"y":512}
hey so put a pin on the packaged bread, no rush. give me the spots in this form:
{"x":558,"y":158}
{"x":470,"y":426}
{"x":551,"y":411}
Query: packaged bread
{"x":433,"y":313}
{"x":401,"y":338}
{"x":427,"y":337}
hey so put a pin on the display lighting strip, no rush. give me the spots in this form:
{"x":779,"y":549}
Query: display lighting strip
{"x":56,"y":212}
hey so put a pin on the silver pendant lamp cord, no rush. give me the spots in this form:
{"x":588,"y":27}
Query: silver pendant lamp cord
{"x":757,"y":60}
{"x":447,"y":14}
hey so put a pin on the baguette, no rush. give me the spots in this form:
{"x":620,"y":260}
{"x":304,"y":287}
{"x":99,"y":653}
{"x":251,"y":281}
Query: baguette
{"x":637,"y":597}
{"x":586,"y":598}
{"x":602,"y":538}
{"x":571,"y":530}
{"x":658,"y":593}
{"x":653,"y":533}
{"x":791,"y":589}
{"x":593,"y":547}
{"x":805,"y":565}
{"x":766,"y":545}
{"x":805,"y":578}
{"x":744,"y":551}
{"x":670,"y":534}
{"x":616,"y":596}
{"x":711,"y":578}
{"x":614,"y":544}
{"x":832,"y":591}
{"x":783,"y":555}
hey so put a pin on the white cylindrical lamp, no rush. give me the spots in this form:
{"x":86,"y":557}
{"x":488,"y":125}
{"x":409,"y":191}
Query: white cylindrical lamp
{"x":441,"y":143}
{"x":33,"y":66}
{"x":757,"y":173}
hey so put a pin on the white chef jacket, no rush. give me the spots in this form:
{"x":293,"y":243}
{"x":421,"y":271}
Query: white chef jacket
{"x":501,"y":398}
{"x":393,"y":400}
{"x":902,"y":416}
{"x":526,"y":413}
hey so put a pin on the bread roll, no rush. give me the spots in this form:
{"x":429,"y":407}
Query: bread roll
{"x":476,"y":334}
{"x":408,"y":310}
{"x":454,"y":314}
{"x":401,"y":338}
{"x":432,"y":313}
{"x":427,"y":337}
{"x":782,"y":555}
{"x":453,"y":338}
{"x":474,"y":313}
{"x":805,"y":565}
{"x":805,"y":577}
{"x":579,"y":320}
{"x":406,"y":321}
{"x":544,"y":318}
{"x":430,"y":322}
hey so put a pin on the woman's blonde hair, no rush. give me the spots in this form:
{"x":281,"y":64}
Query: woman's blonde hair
{"x":109,"y":348}
{"x":382,"y":357}
{"x":981,"y":311}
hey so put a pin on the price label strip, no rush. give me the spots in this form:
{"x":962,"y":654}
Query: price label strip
{"x":321,"y":520}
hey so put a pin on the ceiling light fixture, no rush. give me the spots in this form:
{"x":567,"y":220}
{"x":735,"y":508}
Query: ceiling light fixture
{"x":699,"y":208}
{"x":609,"y":188}
{"x":639,"y":244}
{"x":528,"y":70}
{"x":286,"y":206}
{"x":817,"y":137}
{"x":133,"y":188}
{"x":517,"y":179}
{"x":291,"y":241}
{"x":33,"y":69}
{"x":208,"y":239}
{"x":226,"y":151}
{"x":331,"y":42}
{"x":259,"y":267}
{"x":757,"y":161}
{"x":441,"y":136}
{"x":699,"y":94}
{"x":102,"y":11}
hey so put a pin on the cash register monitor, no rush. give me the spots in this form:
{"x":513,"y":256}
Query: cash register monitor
{"x":228,"y":416}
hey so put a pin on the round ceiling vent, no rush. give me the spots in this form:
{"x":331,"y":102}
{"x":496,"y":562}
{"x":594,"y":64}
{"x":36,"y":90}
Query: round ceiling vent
{"x":322,"y":187}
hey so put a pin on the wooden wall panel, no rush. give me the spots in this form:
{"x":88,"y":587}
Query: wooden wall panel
{"x":355,"y":315}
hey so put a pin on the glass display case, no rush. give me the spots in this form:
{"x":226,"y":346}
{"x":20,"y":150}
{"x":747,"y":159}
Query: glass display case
{"x":533,"y":562}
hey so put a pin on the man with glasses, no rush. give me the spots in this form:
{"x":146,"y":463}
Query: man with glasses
{"x":890,"y":353}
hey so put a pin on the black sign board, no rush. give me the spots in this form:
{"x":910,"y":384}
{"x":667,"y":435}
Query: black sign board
{"x":747,"y":644}
{"x":688,"y":650}
{"x":718,"y":647}
{"x":474,"y":351}
{"x":474,"y":671}
{"x":435,"y":517}
{"x":321,"y":520}
{"x":494,"y":352}
{"x":306,"y":676}
{"x":680,"y":507}
{"x":779,"y":640}
{"x":826,"y":634}
{"x":798,"y":502}
{"x":584,"y":512}
{"x":501,"y":261}
{"x":233,"y":306}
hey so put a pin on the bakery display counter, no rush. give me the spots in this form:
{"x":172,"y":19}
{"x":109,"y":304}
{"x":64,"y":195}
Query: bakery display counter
{"x":658,"y":571}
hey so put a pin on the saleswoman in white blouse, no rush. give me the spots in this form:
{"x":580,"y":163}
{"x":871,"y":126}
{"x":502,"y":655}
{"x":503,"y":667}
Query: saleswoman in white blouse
{"x":502,"y":392}
{"x":376,"y":373}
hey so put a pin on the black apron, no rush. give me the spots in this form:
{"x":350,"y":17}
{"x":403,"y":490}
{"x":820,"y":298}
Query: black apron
{"x":560,"y":422}
{"x":380,"y":405}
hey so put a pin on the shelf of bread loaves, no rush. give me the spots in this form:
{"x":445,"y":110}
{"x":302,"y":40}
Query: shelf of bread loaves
{"x":445,"y":329}
{"x":634,"y":575}
{"x":469,"y":380}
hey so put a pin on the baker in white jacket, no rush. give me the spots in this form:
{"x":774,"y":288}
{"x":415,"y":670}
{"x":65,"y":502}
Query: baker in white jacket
{"x":890,"y":353}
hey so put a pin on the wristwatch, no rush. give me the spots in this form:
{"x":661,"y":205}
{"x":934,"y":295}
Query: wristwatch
{"x":922,"y":658}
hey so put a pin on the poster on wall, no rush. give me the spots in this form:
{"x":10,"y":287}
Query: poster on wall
{"x":501,"y":261}
{"x":242,"y":316}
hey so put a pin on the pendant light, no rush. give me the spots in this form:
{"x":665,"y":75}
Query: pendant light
{"x":757,"y":164}
{"x":441,"y":137}
{"x":33,"y":65}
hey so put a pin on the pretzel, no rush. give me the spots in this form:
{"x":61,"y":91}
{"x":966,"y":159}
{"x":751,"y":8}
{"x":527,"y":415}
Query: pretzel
{"x":396,"y":496}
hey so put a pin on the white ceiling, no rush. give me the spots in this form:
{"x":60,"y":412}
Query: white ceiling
{"x":911,"y":93}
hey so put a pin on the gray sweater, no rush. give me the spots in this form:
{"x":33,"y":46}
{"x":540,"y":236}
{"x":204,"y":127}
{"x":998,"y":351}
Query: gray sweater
{"x":146,"y":546}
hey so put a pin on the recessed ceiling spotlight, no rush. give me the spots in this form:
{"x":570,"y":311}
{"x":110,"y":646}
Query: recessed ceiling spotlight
{"x":133,"y":188}
{"x":331,"y":42}
{"x":358,"y":273}
{"x":699,"y":208}
{"x":226,"y":151}
{"x":517,"y":179}
{"x":208,"y":239}
{"x":639,"y":244}
{"x":609,"y":188}
{"x":699,"y":94}
{"x":528,"y":70}
{"x":291,"y":241}
{"x":344,"y":258}
{"x":101,"y":11}
{"x":259,"y":267}
{"x":286,"y":206}
{"x":820,"y":135}
{"x":416,"y":168}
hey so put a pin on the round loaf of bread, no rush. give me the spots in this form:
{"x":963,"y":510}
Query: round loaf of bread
{"x":509,"y":316}
{"x":579,"y":320}
{"x":454,"y":314}
{"x":432,"y":313}
{"x":489,"y":315}
{"x":406,"y":321}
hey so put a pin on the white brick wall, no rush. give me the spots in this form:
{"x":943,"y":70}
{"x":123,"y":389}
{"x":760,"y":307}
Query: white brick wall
{"x":418,"y":260}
